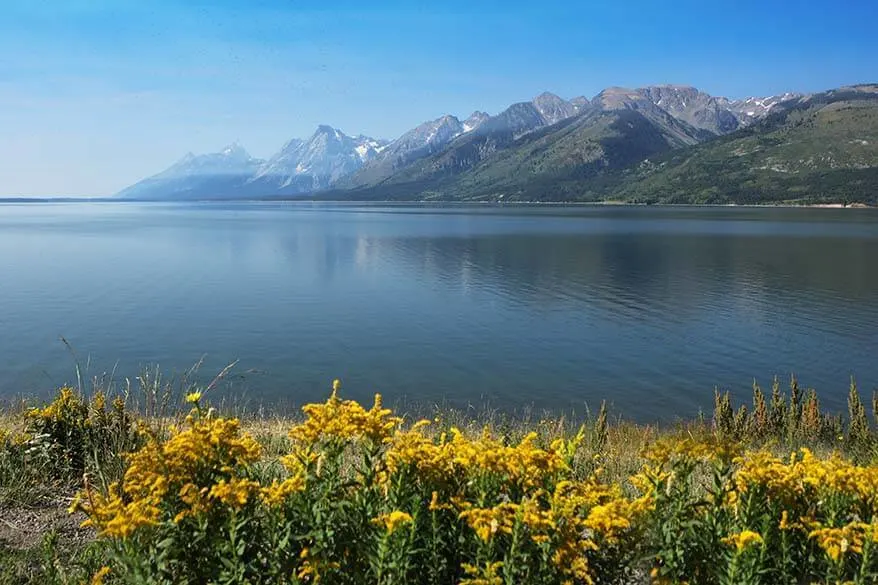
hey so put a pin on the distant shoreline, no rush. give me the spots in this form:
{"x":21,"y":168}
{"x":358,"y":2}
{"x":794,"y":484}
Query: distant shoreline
{"x":395,"y":203}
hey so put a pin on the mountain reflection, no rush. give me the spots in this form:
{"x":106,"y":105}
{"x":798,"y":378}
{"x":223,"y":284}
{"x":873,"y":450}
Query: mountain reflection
{"x":649,"y":308}
{"x":671,"y":271}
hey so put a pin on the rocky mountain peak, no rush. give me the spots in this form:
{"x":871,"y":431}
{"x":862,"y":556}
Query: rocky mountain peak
{"x":616,"y":98}
{"x":316,"y":163}
{"x":553,"y":108}
{"x":580,"y":103}
{"x":235,"y":150}
{"x":693,"y":106}
{"x":475,"y":120}
{"x":750,"y":109}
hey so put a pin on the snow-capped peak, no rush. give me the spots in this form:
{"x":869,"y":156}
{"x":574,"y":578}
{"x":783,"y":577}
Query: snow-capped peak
{"x":552,"y":108}
{"x":475,"y":120}
{"x":754,"y":108}
{"x":316,"y":163}
{"x":233,"y":148}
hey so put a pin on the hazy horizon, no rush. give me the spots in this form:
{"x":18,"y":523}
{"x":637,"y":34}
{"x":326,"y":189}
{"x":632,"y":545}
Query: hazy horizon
{"x":103,"y":93}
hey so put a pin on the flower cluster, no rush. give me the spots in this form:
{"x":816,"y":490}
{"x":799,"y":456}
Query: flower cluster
{"x":203,"y":465}
{"x":814,"y":518}
{"x":345,"y":420}
{"x":363,"y":497}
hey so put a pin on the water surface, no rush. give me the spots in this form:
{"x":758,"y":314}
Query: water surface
{"x":553,"y":307}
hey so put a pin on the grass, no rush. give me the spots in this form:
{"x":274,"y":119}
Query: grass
{"x":47,"y":454}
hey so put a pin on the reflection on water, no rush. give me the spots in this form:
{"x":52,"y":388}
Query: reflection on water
{"x":552,"y":307}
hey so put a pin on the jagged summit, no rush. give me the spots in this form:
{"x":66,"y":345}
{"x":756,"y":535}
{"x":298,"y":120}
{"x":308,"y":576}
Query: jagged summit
{"x":552,"y":108}
{"x":672,"y":114}
{"x":475,"y":120}
{"x":316,"y":163}
{"x":235,"y":149}
{"x":694,"y":107}
{"x":580,"y":102}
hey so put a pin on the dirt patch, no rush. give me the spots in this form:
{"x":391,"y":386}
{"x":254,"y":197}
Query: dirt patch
{"x":23,"y":528}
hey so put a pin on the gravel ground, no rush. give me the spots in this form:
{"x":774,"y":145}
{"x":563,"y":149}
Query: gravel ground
{"x":23,"y":528}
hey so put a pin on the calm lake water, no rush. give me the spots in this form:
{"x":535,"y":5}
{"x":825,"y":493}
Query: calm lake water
{"x":551,"y":307}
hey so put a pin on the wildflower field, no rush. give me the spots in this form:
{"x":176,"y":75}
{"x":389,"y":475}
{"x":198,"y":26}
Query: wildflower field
{"x":777,"y":492}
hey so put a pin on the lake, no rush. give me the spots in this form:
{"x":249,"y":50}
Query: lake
{"x":507,"y":307}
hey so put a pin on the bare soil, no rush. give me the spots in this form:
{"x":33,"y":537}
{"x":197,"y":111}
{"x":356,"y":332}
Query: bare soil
{"x":22,"y":528}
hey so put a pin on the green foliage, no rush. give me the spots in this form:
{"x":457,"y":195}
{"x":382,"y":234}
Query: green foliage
{"x":53,"y":561}
{"x":352,"y":495}
{"x":793,"y":422}
{"x":82,"y":435}
{"x":724,"y":516}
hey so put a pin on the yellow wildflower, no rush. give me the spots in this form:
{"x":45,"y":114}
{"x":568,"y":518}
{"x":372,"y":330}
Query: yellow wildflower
{"x":837,"y":542}
{"x":195,"y":469}
{"x":486,"y":575}
{"x":235,"y":492}
{"x":486,"y":522}
{"x":393,"y":520}
{"x":193,"y":397}
{"x":609,"y":520}
{"x":435,"y":506}
{"x":98,"y":577}
{"x":346,"y":420}
{"x":743,"y":540}
{"x":278,"y":492}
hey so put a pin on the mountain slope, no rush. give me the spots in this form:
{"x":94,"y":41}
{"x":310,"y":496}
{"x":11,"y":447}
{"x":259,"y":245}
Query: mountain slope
{"x":694,"y":107}
{"x":818,"y":148}
{"x":304,"y":166}
{"x":491,"y":164}
{"x":753,"y":109}
{"x":222,"y":175}
{"x":553,"y":109}
{"x":417,"y":143}
{"x":585,"y":147}
{"x":460,"y":144}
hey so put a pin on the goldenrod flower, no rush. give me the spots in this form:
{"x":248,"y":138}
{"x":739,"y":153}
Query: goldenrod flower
{"x":393,"y":520}
{"x":196,"y":469}
{"x":486,"y":575}
{"x":278,"y":492}
{"x":98,"y":577}
{"x":837,"y":542}
{"x":743,"y":540}
{"x":345,"y":420}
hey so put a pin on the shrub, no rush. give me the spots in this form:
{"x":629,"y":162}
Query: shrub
{"x":365,"y":499}
{"x":760,"y":519}
{"x":363,"y":496}
{"x":81,"y":435}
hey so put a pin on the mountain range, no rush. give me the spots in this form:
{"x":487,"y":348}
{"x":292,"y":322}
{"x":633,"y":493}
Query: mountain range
{"x":656,"y":144}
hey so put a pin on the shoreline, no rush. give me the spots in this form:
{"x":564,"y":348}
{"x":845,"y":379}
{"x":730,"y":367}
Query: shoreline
{"x":414,"y":203}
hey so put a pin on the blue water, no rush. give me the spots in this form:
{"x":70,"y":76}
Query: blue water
{"x":510,"y":307}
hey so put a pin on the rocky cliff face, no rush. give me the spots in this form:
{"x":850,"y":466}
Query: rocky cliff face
{"x":694,"y":107}
{"x":552,"y":108}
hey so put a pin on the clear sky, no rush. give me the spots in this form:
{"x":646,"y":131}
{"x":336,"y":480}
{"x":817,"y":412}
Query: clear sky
{"x":96,"y":94}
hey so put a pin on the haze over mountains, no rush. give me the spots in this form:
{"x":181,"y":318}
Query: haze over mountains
{"x":662,"y":143}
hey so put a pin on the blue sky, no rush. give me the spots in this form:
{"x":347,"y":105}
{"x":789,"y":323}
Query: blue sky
{"x":96,"y":94}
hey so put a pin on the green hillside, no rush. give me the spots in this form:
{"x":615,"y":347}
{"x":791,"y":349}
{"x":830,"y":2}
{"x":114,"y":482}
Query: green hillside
{"x":824,"y":149}
{"x":819,"y":149}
